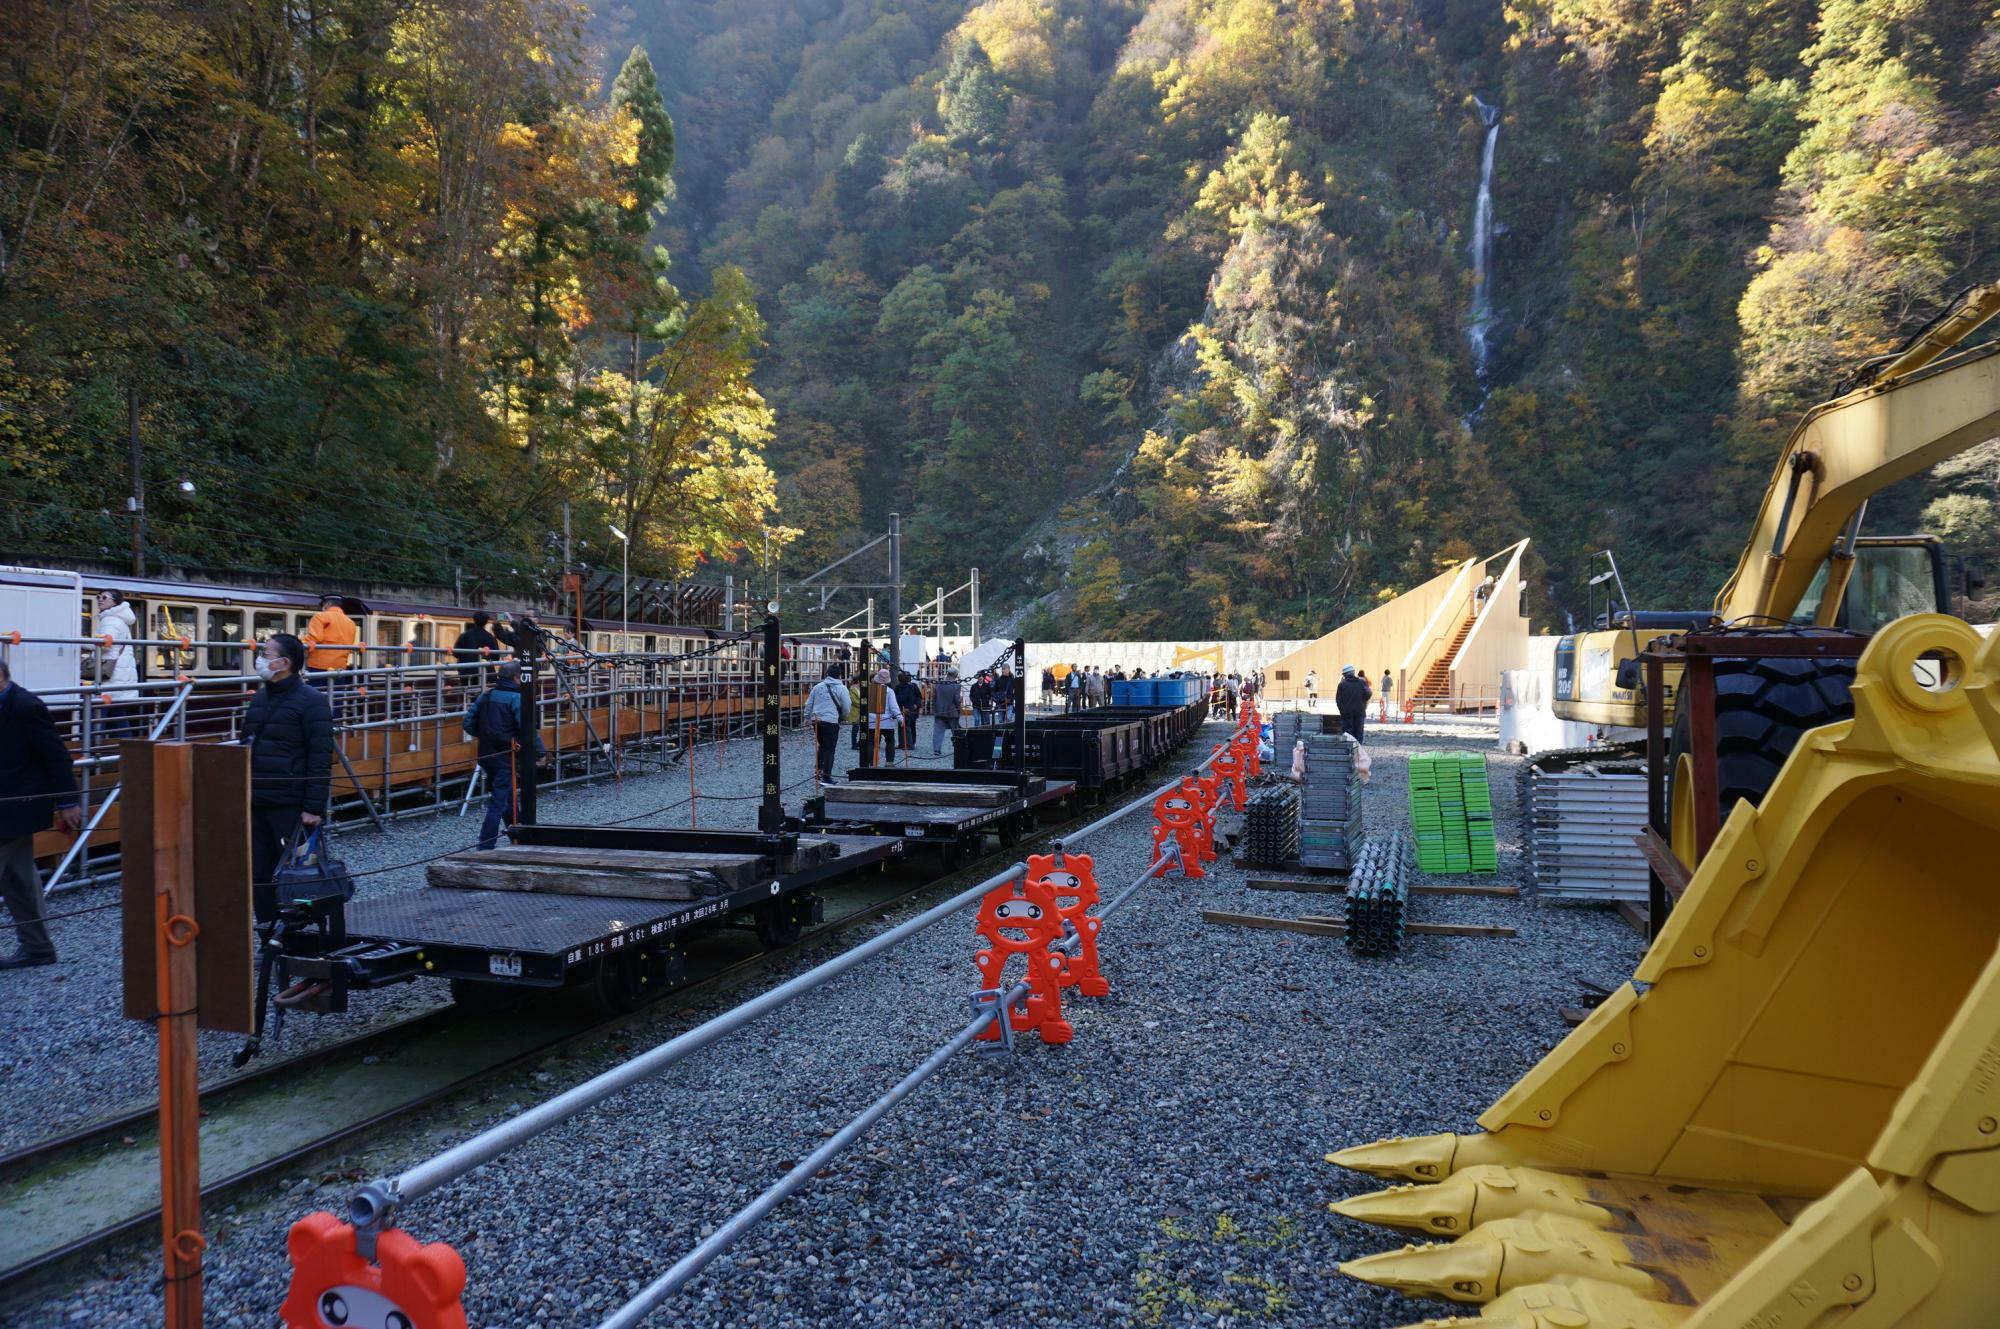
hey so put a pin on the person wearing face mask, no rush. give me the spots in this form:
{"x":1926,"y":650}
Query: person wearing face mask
{"x":289,"y":728}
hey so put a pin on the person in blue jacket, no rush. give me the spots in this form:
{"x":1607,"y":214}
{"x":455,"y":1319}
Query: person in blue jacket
{"x":508,"y":751}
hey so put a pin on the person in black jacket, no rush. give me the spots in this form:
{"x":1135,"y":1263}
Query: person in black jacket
{"x":39,"y":785}
{"x":1350,"y":698}
{"x":508,"y":751}
{"x":530,"y":641}
{"x":909,"y":696}
{"x":289,"y":728}
{"x":475,"y":646}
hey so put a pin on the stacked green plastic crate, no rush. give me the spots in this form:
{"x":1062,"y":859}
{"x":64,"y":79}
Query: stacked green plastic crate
{"x":1451,"y":812}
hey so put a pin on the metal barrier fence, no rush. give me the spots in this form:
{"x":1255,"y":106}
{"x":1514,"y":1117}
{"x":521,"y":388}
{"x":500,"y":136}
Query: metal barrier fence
{"x":374,"y":1207}
{"x":400,"y":750}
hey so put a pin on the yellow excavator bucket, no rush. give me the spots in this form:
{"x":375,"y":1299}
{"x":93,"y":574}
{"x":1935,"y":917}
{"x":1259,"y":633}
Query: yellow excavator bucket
{"x":1790,"y":1119}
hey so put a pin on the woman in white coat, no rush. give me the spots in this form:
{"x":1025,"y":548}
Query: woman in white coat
{"x":118,"y":668}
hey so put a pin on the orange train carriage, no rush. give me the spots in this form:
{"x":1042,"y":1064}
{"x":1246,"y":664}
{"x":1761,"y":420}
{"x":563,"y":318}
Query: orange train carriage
{"x":397,"y":712}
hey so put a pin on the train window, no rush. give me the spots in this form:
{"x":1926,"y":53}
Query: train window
{"x":225,"y":638}
{"x":652,"y":644}
{"x":601,"y":643}
{"x":421,"y":634}
{"x":173,"y":621}
{"x":447,"y":636}
{"x":267,"y":624}
{"x":388,"y":632}
{"x":300,"y":622}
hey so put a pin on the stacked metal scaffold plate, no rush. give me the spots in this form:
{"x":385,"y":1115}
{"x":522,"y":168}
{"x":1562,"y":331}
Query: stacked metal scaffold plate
{"x":1451,"y":811}
{"x":1377,"y":892}
{"x":1330,"y":829}
{"x":1271,"y":826}
{"x":1584,"y":807}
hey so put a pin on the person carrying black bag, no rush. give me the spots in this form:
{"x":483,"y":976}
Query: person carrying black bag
{"x":289,"y":728}
{"x":508,"y":752}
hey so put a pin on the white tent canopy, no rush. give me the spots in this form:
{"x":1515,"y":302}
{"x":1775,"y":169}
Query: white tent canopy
{"x":983,"y":656}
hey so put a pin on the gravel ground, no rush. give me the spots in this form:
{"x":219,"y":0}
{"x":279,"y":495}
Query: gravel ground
{"x":1163,"y":1169}
{"x":70,"y":1057}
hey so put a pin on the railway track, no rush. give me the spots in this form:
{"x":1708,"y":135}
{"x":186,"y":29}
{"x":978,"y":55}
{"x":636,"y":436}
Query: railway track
{"x":66,"y":1197}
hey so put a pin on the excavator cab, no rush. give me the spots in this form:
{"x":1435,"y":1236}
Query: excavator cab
{"x":1894,"y":576}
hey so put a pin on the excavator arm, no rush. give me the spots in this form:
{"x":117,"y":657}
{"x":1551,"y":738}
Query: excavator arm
{"x":1912,"y":411}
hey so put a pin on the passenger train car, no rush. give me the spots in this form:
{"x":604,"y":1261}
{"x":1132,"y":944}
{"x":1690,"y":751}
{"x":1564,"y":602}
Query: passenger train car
{"x":397,"y":710}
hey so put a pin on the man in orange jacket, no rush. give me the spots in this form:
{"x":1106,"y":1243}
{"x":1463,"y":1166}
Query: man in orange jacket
{"x":330,"y":631}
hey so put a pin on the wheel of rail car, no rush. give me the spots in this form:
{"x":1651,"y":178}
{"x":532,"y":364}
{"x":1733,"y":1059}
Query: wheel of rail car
{"x":624,"y":982}
{"x":1762,"y":707}
{"x":778,"y":923}
{"x":1010,"y":833}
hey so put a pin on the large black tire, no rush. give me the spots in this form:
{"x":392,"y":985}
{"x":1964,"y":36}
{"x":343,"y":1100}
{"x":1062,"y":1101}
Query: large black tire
{"x":1762,"y":708}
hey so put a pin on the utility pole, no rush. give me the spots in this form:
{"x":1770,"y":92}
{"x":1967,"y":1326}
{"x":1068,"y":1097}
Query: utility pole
{"x":728,"y":602}
{"x":975,"y":606}
{"x":137,"y":503}
{"x":895,"y":595}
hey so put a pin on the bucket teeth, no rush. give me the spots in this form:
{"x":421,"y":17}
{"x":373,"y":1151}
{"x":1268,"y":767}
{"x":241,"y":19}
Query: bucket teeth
{"x":1406,"y":1158}
{"x":1504,"y":1254}
{"x":1420,"y":1157}
{"x":1461,"y":1271}
{"x":1581,"y":1305}
{"x":1475,"y":1195}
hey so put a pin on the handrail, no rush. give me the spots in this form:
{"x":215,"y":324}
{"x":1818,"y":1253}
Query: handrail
{"x":1418,"y":656}
{"x":1510,"y":575}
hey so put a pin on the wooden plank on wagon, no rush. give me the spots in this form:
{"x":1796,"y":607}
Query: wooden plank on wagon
{"x":476,"y":871}
{"x":734,"y":870}
{"x":1311,"y":927}
{"x":925,"y":795}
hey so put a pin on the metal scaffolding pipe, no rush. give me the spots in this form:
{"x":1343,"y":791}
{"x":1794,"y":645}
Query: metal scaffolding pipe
{"x":488,"y":1145}
{"x":733,"y":1230}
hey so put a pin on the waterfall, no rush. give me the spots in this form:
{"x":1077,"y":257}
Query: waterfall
{"x":1482,"y":242}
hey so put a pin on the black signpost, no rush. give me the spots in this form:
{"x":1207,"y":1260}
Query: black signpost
{"x":771,"y":812}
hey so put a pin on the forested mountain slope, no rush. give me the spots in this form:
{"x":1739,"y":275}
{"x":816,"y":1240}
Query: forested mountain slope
{"x":1157,"y":311}
{"x":1164,"y":305}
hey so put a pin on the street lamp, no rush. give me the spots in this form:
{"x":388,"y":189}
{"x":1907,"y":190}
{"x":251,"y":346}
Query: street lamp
{"x":625,"y":584}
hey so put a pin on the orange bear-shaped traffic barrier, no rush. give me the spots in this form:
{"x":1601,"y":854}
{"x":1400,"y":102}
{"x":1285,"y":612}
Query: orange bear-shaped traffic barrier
{"x":1071,"y":876}
{"x":1206,"y":791}
{"x":410,"y":1284}
{"x":1019,"y":917}
{"x":1177,"y":817}
{"x":1245,"y":747}
{"x":1228,"y":765}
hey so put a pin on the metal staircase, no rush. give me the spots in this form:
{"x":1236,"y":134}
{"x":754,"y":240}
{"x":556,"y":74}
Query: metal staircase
{"x":1435,"y":689}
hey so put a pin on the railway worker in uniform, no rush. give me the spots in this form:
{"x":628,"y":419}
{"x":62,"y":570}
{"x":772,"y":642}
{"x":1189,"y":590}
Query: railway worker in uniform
{"x":826,"y":706}
{"x":118,"y":669}
{"x":508,"y":751}
{"x":40,"y":785}
{"x":945,"y":701}
{"x":289,"y":728}
{"x":1350,"y":698}
{"x":328,"y":636}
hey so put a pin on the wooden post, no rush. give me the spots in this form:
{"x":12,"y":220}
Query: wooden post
{"x":174,"y":980}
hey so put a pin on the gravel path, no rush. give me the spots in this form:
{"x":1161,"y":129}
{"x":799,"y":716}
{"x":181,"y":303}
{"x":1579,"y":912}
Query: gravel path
{"x":1163,"y":1169}
{"x":70,"y":1057}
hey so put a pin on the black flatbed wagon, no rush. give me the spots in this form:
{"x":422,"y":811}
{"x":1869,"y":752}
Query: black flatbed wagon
{"x":626,"y":948}
{"x":948,"y":810}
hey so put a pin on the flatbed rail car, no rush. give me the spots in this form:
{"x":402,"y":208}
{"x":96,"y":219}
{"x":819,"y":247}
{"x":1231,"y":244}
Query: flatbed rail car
{"x":1104,"y":749}
{"x":951,"y":811}
{"x":567,"y":929}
